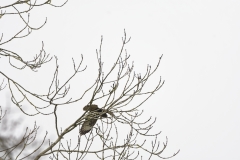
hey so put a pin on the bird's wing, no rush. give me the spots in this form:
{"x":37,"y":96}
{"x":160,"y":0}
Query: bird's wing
{"x":88,"y":125}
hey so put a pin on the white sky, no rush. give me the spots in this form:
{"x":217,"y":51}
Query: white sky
{"x":198,"y":107}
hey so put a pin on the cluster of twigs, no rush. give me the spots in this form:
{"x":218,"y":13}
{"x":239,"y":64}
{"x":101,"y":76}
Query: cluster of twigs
{"x":14,"y":145}
{"x":117,"y":102}
{"x":21,"y":8}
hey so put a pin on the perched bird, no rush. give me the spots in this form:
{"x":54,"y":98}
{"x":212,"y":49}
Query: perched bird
{"x":94,"y":114}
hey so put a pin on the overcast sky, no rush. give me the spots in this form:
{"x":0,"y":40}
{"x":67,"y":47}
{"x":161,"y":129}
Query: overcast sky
{"x":199,"y":105}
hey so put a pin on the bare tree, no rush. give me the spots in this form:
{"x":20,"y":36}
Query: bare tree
{"x":101,"y":124}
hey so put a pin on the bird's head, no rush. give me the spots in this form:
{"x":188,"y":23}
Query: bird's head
{"x":90,"y":107}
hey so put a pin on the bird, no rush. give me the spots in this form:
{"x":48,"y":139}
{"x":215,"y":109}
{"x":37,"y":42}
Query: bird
{"x":94,"y":114}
